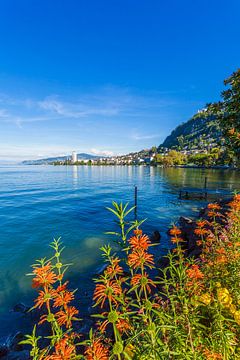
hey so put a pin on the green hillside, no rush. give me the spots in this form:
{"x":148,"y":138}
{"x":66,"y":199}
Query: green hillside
{"x":199,"y":132}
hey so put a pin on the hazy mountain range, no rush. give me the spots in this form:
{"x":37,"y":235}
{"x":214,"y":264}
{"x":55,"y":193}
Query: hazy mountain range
{"x":81,"y":156}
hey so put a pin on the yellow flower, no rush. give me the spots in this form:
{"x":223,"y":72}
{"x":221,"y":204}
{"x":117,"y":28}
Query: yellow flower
{"x":218,"y":284}
{"x":237,"y":317}
{"x":224,"y":297}
{"x":129,"y":350}
{"x":232,"y":309}
{"x":205,"y":299}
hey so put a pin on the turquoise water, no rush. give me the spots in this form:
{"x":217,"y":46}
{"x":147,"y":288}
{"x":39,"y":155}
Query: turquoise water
{"x":38,"y":203}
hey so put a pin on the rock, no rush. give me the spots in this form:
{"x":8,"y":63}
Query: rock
{"x":100,"y":270}
{"x":156,"y":236}
{"x":13,"y":341}
{"x":20,"y":307}
{"x":185,"y":221}
{"x":3,"y":350}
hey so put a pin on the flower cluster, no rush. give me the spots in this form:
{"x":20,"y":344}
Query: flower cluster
{"x":187,"y":309}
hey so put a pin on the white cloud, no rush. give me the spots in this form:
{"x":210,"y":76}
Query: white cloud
{"x":78,"y":109}
{"x":101,"y":152}
{"x":145,"y":137}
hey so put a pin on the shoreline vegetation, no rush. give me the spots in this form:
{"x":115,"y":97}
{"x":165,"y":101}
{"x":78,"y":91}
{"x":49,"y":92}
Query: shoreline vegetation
{"x":193,"y":166}
{"x":183,"y":306}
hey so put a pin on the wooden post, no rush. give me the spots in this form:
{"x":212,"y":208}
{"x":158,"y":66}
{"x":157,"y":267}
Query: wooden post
{"x":205,"y":187}
{"x":135,"y":201}
{"x":205,"y":183}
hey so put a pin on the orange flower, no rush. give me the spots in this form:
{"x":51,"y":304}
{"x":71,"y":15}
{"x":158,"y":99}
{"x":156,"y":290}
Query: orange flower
{"x":200,"y":231}
{"x":210,"y":355}
{"x":194,"y":272}
{"x":143,"y":281}
{"x":62,"y":287}
{"x":235,"y":204}
{"x":140,"y":242}
{"x":137,"y":232}
{"x":123,"y":326}
{"x":231,"y":131}
{"x":220,"y":251}
{"x":139,"y":258}
{"x":65,"y":317}
{"x":44,"y":297}
{"x":176,"y":240}
{"x":63,"y":351}
{"x":96,"y":351}
{"x":114,"y":268}
{"x":221,"y":259}
{"x":212,"y":214}
{"x":109,"y":290}
{"x":44,"y":276}
{"x":175,"y":231}
{"x":214,"y":207}
{"x":237,"y":197}
{"x":63,"y":298}
{"x":201,"y":223}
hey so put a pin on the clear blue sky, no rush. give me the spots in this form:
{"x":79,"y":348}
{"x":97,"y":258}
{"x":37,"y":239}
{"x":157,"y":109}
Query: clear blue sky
{"x":109,"y":76}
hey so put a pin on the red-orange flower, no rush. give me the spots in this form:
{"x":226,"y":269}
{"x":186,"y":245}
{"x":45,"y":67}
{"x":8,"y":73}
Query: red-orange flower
{"x":140,"y":242}
{"x":44,"y":297}
{"x":137,"y":232}
{"x":142,"y":281}
{"x":221,"y":259}
{"x":108,"y":290}
{"x":139,"y":258}
{"x":200,"y":231}
{"x":176,"y":240}
{"x":123,"y":325}
{"x":231,"y":131}
{"x":220,"y":251}
{"x":214,"y":207}
{"x":210,"y":355}
{"x":194,"y":272}
{"x":66,"y":316}
{"x":96,"y":351}
{"x":201,"y":223}
{"x":114,"y":268}
{"x":63,"y":298}
{"x":44,"y":276}
{"x":63,"y":351}
{"x":175,"y":231}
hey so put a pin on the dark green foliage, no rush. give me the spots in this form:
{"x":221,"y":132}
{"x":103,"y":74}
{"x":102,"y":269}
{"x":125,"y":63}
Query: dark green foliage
{"x":198,"y":132}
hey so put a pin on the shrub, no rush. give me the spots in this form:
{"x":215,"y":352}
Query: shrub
{"x":188,"y":310}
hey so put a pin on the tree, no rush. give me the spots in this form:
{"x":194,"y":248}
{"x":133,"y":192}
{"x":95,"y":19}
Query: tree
{"x":180,"y":140}
{"x":227,"y":112}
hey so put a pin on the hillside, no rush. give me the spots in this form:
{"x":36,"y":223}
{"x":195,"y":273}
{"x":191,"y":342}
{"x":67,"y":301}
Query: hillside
{"x":199,"y":132}
{"x":81,"y":156}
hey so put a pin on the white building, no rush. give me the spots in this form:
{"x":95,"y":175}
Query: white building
{"x":74,"y":157}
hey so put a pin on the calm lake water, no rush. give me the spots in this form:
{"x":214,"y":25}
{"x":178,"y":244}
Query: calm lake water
{"x":39,"y":203}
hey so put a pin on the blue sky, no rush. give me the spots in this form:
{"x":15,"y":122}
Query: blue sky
{"x":109,"y":76}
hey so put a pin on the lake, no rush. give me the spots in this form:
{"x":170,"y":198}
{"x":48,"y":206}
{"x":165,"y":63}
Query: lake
{"x":39,"y":203}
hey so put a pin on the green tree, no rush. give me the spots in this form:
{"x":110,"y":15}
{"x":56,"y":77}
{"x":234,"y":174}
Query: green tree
{"x":227,"y":112}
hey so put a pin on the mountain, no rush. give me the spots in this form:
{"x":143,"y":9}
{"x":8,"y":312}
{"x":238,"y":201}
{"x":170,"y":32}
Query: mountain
{"x":199,"y":132}
{"x":81,"y":156}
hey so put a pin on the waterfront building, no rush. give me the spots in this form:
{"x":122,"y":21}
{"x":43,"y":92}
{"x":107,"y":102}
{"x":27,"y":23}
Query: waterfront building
{"x":74,"y":157}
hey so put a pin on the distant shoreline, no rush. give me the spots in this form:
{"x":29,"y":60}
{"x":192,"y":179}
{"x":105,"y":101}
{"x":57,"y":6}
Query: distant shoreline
{"x":215,"y":167}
